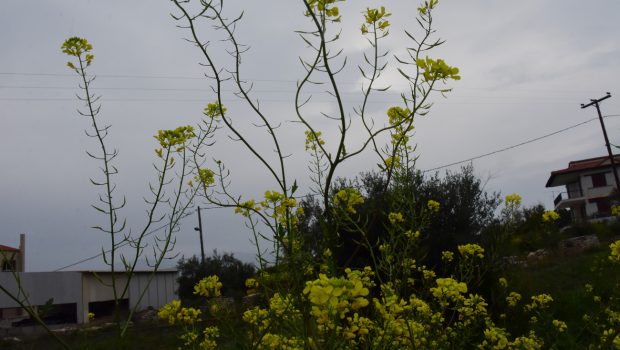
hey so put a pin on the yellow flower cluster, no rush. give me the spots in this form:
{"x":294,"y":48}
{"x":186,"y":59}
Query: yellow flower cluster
{"x":608,"y":333}
{"x":540,"y":301}
{"x":251,"y":283}
{"x":176,"y":137}
{"x":471,"y":250}
{"x":428,"y":5}
{"x":210,"y":335}
{"x":615,"y":210}
{"x":400,"y":118}
{"x":497,"y":338}
{"x":447,"y":256}
{"x":76,"y":46}
{"x":357,"y":329}
{"x":209,"y":287}
{"x":375,"y":18}
{"x":347,"y":198}
{"x":560,"y":325}
{"x":189,"y":338}
{"x":206,"y":177}
{"x":280,"y":206}
{"x":448,"y":289}
{"x":283,"y":307}
{"x":313,"y":140}
{"x":334,"y":297}
{"x":513,"y":299}
{"x":340,"y":309}
{"x":392,"y":162}
{"x":433,"y":206}
{"x":324,"y":6}
{"x":214,"y":110}
{"x":433,"y":70}
{"x":512,"y":200}
{"x":257,"y":317}
{"x":273,"y":341}
{"x":174,"y":313}
{"x":396,"y":218}
{"x":550,"y":216}
{"x":244,"y":208}
{"x":614,"y":255}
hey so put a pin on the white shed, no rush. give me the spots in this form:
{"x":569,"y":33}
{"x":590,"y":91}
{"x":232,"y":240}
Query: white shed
{"x":84,"y":291}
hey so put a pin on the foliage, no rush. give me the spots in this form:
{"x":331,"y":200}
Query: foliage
{"x":464,"y":210}
{"x":231,"y":272}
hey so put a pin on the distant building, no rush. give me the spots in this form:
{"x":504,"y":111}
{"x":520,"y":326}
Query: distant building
{"x":590,"y":187}
{"x":13,"y":259}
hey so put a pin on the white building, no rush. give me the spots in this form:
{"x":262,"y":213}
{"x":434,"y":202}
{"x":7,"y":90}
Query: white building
{"x":77,"y":293}
{"x":589,"y":187}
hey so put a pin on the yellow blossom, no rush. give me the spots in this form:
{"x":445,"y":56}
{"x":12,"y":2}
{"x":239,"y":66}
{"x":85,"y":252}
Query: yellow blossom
{"x":560,"y":325}
{"x":214,"y":110}
{"x":447,"y":256}
{"x":433,"y":205}
{"x":313,"y":140}
{"x":512,"y":200}
{"x":208,"y":287}
{"x":513,"y":298}
{"x":395,"y":218}
{"x":347,"y":198}
{"x":550,"y":216}
{"x":471,"y":250}
{"x":614,"y":255}
{"x":540,"y":301}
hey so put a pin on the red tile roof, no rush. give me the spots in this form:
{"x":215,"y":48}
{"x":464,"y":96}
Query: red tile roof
{"x":584,"y":164}
{"x":4,"y":248}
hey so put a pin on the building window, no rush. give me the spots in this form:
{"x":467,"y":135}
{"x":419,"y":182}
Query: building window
{"x":603,"y":207}
{"x":599,"y":180}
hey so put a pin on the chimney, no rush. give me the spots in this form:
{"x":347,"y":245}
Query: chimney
{"x":22,"y":253}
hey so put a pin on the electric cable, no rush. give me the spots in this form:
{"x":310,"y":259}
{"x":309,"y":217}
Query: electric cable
{"x":516,"y":145}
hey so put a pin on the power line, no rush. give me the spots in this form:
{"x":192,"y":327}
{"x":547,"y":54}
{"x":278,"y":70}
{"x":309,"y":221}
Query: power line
{"x":125,"y":88}
{"x":59,"y":99}
{"x":179,"y":77}
{"x":107,"y":251}
{"x":517,"y":145}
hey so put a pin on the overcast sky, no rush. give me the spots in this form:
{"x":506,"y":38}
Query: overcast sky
{"x":526,"y":67}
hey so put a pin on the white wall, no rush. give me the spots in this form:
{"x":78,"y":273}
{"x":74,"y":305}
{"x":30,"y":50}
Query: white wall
{"x":64,"y":287}
{"x":82,"y":288}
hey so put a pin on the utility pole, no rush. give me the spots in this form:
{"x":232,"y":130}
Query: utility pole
{"x":199,"y":229}
{"x":600,"y":118}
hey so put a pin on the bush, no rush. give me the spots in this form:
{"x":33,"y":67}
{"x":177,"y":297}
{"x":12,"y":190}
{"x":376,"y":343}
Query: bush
{"x":231,"y":271}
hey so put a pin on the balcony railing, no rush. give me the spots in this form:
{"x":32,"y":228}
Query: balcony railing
{"x":567,"y":195}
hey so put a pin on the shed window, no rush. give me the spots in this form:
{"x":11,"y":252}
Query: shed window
{"x":599,"y":180}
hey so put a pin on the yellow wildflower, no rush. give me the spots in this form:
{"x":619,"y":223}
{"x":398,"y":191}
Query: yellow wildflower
{"x":550,"y":216}
{"x":614,"y":255}
{"x":208,"y":287}
{"x":433,"y":205}
{"x":471,"y":250}
{"x":347,"y":198}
